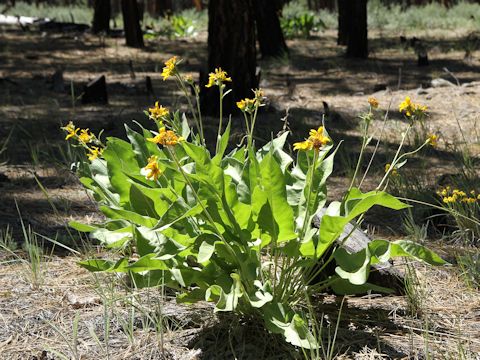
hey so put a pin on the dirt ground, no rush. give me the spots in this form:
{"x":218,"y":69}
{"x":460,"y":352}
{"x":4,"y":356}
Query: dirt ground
{"x":36,"y":323}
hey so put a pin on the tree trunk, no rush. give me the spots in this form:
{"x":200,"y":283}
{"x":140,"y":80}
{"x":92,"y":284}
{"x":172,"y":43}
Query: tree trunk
{"x":231,"y":46}
{"x":101,"y":16}
{"x":344,"y":17}
{"x":269,"y":32}
{"x":131,"y":23}
{"x":357,"y":42}
{"x":163,"y":7}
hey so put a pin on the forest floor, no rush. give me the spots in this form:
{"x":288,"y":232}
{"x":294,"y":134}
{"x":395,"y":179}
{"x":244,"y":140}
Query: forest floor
{"x":38,"y":316}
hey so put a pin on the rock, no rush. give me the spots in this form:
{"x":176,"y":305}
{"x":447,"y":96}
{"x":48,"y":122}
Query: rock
{"x":95,"y":91}
{"x":421,"y":91}
{"x":384,"y":275}
{"x":439,"y":82}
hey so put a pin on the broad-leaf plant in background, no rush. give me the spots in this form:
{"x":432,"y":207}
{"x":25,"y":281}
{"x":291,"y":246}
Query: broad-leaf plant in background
{"x":231,"y":228}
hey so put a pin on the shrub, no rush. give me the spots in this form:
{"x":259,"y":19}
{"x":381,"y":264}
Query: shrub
{"x":234,"y":228}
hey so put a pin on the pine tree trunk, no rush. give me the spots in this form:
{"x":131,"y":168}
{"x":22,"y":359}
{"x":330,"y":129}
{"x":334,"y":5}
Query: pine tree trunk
{"x":357,"y":42}
{"x":270,"y":35}
{"x":131,"y":23}
{"x":231,"y":46}
{"x":101,"y":16}
{"x":344,"y":17}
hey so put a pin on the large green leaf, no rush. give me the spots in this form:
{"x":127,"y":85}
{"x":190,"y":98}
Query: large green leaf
{"x":120,"y":160}
{"x":280,"y":319}
{"x":280,"y":211}
{"x":356,"y":203}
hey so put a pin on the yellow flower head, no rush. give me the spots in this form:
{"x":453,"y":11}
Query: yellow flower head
{"x":158,"y":111}
{"x":316,"y":141}
{"x":433,"y":140}
{"x":217,"y":78}
{"x":170,"y":68}
{"x":151,"y":171}
{"x":246,"y":105}
{"x":71,"y":130}
{"x":166,"y":138}
{"x":449,"y":199}
{"x":85,"y":137}
{"x":303,"y":146}
{"x":373,"y":102}
{"x":94,"y":152}
{"x":394,"y":171}
{"x":411,"y":109}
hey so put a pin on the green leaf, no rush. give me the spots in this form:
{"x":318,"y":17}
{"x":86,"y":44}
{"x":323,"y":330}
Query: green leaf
{"x":222,"y":145}
{"x":120,"y":160}
{"x":280,"y":212}
{"x":280,"y":319}
{"x":356,"y":203}
{"x":82,"y":227}
{"x":147,"y":263}
{"x":97,"y":265}
{"x":383,"y":250}
{"x":131,"y":216}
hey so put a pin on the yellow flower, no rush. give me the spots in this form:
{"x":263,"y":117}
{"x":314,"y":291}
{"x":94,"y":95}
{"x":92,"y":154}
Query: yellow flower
{"x":317,"y":138}
{"x":410,"y":109}
{"x":85,"y":137}
{"x":449,"y":199}
{"x":158,"y":111}
{"x":170,"y":67}
{"x":151,"y":171}
{"x":433,"y":140}
{"x":71,"y":130}
{"x":478,"y":197}
{"x":394,"y":171}
{"x":316,"y":141}
{"x":94,"y":152}
{"x":246,"y":105}
{"x":460,"y":193}
{"x":373,"y":102}
{"x":469,"y":200}
{"x":304,"y":145}
{"x":217,"y":78}
{"x":166,"y":138}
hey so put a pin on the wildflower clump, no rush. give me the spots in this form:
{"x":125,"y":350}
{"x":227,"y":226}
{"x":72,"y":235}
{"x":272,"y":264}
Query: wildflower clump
{"x":235,"y":228}
{"x":170,"y":68}
{"x":158,"y":112}
{"x":412,"y":110}
{"x":457,"y":196}
{"x":166,"y":138}
{"x":316,"y":141}
{"x":85,"y":139}
{"x":218,"y":78}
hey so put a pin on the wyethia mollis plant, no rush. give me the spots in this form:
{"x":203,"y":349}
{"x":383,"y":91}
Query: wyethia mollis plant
{"x":234,"y":228}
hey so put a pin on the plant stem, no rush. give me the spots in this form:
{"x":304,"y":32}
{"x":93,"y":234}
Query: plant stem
{"x":220,"y":90}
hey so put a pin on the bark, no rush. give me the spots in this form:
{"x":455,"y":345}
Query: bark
{"x":357,"y":42}
{"x":270,"y":35}
{"x":343,"y":20}
{"x":101,"y":16}
{"x":231,"y":46}
{"x":131,"y":23}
